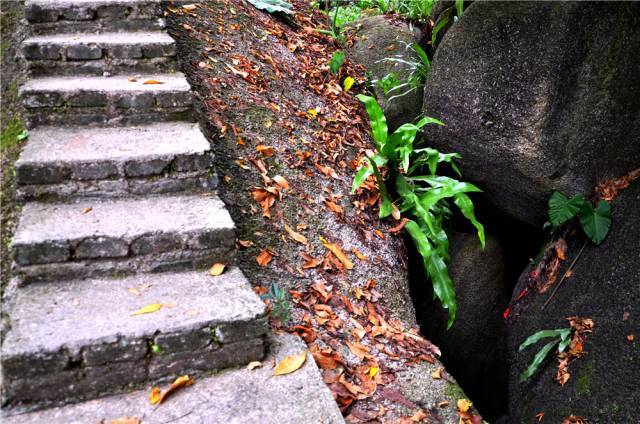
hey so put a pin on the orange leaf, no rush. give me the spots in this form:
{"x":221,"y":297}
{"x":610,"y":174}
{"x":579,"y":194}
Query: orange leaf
{"x":359,"y":254}
{"x":157,"y":396}
{"x":338,"y":252}
{"x":309,"y":261}
{"x":264,"y":258}
{"x":358,"y":349}
{"x":124,"y":420}
{"x":290,"y":363}
{"x":151,"y":82}
{"x":265,"y":150}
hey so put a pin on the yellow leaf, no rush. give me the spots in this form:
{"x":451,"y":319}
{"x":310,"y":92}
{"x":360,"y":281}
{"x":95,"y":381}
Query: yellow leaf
{"x":312,"y":112}
{"x":437,"y":374}
{"x":155,"y":396}
{"x":464,"y":405}
{"x":290,"y":363}
{"x":154,"y":307}
{"x":151,"y":82}
{"x":348,"y":83}
{"x":158,"y":396}
{"x":189,"y":7}
{"x":373,"y":371}
{"x":296,"y":236}
{"x":217,"y":269}
{"x":338,"y":252}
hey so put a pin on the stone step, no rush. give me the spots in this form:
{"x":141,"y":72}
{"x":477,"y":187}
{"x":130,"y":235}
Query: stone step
{"x":232,"y":397}
{"x":97,"y":54}
{"x":90,"y":236}
{"x":114,"y":161}
{"x":79,"y":339}
{"x":56,"y":16}
{"x":112,"y":100}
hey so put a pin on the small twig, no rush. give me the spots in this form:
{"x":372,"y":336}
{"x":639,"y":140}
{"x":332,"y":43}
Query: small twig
{"x":564,"y":275}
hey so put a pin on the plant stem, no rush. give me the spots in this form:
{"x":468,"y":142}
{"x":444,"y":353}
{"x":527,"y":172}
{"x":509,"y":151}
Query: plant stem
{"x":564,"y":275}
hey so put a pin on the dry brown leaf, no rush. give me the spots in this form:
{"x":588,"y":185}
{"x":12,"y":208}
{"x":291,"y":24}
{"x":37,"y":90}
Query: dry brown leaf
{"x":158,"y":396}
{"x":86,"y":210}
{"x":336,"y":250}
{"x":217,"y":269}
{"x":154,"y":307}
{"x":290,"y":363}
{"x":309,"y":261}
{"x":358,"y":349}
{"x":443,"y":404}
{"x":264,"y":150}
{"x":264,"y":258}
{"x":152,"y":82}
{"x":189,"y":7}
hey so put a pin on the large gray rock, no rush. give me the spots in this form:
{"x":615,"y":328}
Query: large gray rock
{"x":378,"y":38}
{"x":605,"y":287}
{"x":473,"y":348}
{"x":538,"y":96}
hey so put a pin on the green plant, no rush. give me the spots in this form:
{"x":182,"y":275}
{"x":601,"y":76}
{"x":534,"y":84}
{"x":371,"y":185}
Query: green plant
{"x":334,"y":30}
{"x":595,"y":222}
{"x":272,"y":6}
{"x":388,"y":82}
{"x":558,"y":337}
{"x":418,"y":70}
{"x":422,"y":195}
{"x":156,"y":349}
{"x":280,"y":306}
{"x":337,"y":60}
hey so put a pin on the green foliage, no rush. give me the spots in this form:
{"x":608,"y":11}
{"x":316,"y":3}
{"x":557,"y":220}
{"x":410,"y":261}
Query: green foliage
{"x":13,"y":133}
{"x":337,"y":60}
{"x":422,"y":195}
{"x":558,"y":337}
{"x":388,"y":82}
{"x":417,"y":69}
{"x":273,"y":6}
{"x":596,"y":222}
{"x":156,"y":349}
{"x":459,"y":7}
{"x":280,"y":306}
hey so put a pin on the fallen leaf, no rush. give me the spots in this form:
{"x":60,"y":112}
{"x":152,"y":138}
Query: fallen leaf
{"x":134,"y":291}
{"x":631,"y":337}
{"x":295,"y":236}
{"x":309,"y":261}
{"x":463,"y":405}
{"x":254,"y":364}
{"x":358,"y":349}
{"x":189,"y":7}
{"x":443,"y":404}
{"x":540,"y":416}
{"x":152,"y":82}
{"x":281,"y":181}
{"x":158,"y":396}
{"x":132,"y":79}
{"x":124,"y":420}
{"x":437,"y":374}
{"x":338,"y":252}
{"x":264,"y":258}
{"x":373,"y":371}
{"x":217,"y":269}
{"x":348,"y":83}
{"x":154,"y":307}
{"x":290,"y":363}
{"x":359,"y":254}
{"x":264,"y":150}
{"x":86,"y":210}
{"x":312,"y":112}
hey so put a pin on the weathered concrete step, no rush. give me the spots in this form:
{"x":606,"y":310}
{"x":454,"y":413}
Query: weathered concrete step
{"x":79,"y":339}
{"x":113,"y":161}
{"x":92,"y":236}
{"x":56,"y":16}
{"x":97,"y":54}
{"x":107,"y":100}
{"x":233,"y":397}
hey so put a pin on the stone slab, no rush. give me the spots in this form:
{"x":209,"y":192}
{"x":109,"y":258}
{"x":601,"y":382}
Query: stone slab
{"x":75,"y":314}
{"x":175,"y":82}
{"x":232,"y":397}
{"x":196,"y":222}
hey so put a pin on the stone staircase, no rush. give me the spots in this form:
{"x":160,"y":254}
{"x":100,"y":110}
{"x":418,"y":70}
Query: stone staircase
{"x":120,"y":212}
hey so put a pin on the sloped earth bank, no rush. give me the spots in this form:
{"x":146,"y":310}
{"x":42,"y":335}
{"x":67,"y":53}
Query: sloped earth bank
{"x":288,"y":140}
